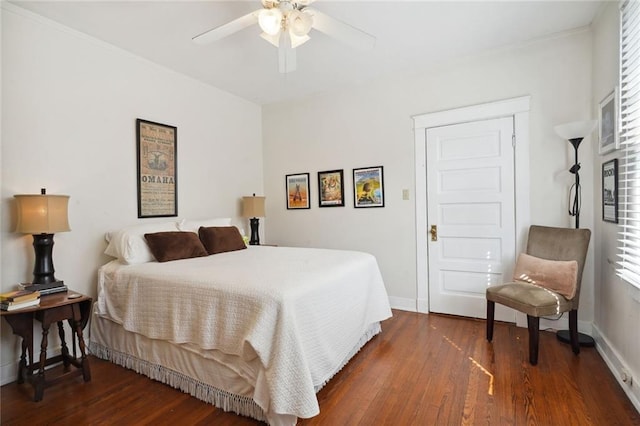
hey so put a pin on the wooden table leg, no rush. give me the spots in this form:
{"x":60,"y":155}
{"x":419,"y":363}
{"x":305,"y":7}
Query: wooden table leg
{"x":22,"y":365}
{"x":22,"y":325}
{"x":86,"y":370}
{"x":64,"y":349}
{"x":39,"y":380}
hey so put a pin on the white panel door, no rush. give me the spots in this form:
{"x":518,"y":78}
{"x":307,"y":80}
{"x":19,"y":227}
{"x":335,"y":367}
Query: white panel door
{"x":471,"y":210}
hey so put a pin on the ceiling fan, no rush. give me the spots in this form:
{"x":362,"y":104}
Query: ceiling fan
{"x":286,"y":24}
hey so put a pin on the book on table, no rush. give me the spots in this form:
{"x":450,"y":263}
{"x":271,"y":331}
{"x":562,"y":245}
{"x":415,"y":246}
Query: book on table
{"x":41,"y":286}
{"x":12,"y":306}
{"x":53,"y":290}
{"x":19,"y":296}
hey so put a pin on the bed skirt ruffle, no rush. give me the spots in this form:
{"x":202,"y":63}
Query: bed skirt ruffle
{"x":226,"y":401}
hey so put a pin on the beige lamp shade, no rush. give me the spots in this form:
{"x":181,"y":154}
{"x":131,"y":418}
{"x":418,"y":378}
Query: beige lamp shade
{"x":42,"y":214}
{"x":253,"y":206}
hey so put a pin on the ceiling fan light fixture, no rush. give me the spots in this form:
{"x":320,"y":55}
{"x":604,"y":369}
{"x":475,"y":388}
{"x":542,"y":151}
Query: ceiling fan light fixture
{"x":299,"y":23}
{"x":298,"y":40}
{"x":270,"y":20}
{"x":273,"y":39}
{"x":286,"y":24}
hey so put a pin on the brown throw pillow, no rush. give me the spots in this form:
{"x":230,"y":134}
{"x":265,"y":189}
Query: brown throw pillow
{"x":220,"y":239}
{"x":560,"y":276}
{"x":167,"y":246}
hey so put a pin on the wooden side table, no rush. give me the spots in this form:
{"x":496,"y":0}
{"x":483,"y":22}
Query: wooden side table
{"x":53,"y":308}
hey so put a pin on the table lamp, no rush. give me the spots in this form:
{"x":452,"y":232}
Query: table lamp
{"x":253,"y":207}
{"x":43,"y":215}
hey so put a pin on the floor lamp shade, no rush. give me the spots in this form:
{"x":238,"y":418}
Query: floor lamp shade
{"x":575,"y":129}
{"x":42,"y":215}
{"x":253,"y":208}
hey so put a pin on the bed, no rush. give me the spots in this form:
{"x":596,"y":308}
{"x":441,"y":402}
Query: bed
{"x":257,"y":331}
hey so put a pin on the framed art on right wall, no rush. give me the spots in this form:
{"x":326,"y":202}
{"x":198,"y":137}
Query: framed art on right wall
{"x":608,"y":123}
{"x":610,"y":191}
{"x":368,"y":187}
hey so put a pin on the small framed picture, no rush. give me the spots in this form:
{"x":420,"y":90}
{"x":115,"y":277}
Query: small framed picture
{"x":368,"y":187}
{"x":610,"y":191}
{"x":331,"y":188}
{"x":608,"y":123}
{"x":298,"y":191}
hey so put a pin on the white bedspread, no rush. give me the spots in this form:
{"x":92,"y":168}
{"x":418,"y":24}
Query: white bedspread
{"x":299,"y":311}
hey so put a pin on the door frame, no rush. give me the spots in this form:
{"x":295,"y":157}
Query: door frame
{"x":518,"y":108}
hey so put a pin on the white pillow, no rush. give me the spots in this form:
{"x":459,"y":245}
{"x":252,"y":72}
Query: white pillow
{"x":194,"y":225}
{"x":128,"y":244}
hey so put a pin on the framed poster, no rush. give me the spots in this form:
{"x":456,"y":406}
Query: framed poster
{"x":608,"y":123}
{"x":330,"y":189}
{"x":157,"y":169}
{"x":368,"y":187}
{"x":610,"y":191}
{"x":298,"y":191}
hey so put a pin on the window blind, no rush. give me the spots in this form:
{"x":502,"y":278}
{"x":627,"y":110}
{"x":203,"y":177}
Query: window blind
{"x":629,"y":261}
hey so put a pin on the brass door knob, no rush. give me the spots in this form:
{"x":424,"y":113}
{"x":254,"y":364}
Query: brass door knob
{"x":434,"y":232}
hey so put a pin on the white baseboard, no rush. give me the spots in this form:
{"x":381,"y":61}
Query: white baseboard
{"x":563,"y":324}
{"x":403,"y":304}
{"x":8,"y":372}
{"x":618,"y":367}
{"x":555,"y":325}
{"x":423,"y":305}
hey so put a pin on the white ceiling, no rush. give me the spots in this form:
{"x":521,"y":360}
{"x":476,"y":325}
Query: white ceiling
{"x":411,"y":36}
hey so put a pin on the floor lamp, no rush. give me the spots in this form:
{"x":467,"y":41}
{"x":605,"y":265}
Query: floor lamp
{"x":575,"y":132}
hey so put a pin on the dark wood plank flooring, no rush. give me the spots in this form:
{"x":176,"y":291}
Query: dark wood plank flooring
{"x":422,"y":370}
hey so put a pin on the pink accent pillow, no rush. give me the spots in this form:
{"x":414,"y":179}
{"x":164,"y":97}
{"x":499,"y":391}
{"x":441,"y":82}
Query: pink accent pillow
{"x":560,"y":276}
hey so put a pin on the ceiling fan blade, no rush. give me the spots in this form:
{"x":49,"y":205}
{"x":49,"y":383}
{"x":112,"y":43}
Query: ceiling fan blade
{"x":341,"y":31}
{"x":227,"y":29}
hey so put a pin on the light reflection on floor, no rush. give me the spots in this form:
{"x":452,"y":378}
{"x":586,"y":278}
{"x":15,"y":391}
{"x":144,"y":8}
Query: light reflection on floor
{"x":474,"y":362}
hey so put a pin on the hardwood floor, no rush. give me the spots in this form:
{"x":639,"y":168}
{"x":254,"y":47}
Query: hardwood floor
{"x":422,"y":370}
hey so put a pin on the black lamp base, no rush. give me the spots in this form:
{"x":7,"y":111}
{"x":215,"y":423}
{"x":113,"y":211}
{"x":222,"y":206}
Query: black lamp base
{"x":255,"y":237}
{"x":43,"y":272}
{"x":583,"y":339}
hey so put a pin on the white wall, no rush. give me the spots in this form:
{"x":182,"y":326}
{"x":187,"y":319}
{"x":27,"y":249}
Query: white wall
{"x":69,"y":107}
{"x":371,"y":125}
{"x":617,"y":303}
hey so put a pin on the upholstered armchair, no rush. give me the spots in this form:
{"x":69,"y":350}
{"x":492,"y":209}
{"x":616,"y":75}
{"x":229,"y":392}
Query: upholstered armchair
{"x":533,"y":298}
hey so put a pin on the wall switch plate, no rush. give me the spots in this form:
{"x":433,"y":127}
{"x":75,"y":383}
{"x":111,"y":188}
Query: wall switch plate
{"x":405,"y":194}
